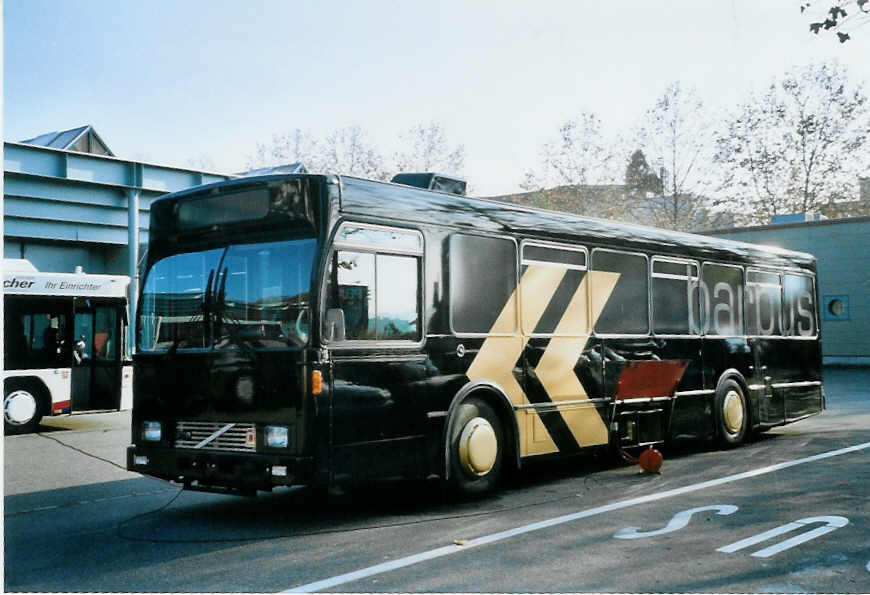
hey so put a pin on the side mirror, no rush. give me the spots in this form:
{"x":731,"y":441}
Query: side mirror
{"x":334,"y":325}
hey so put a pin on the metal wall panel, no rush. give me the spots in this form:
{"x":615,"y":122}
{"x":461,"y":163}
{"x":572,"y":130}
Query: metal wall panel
{"x":64,"y":208}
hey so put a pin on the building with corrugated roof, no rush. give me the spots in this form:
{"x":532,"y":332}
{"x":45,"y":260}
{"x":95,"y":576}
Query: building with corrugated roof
{"x":83,"y":139}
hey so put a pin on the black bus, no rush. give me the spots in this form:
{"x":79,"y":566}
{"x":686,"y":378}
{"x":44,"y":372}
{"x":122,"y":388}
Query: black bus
{"x":325,"y":330}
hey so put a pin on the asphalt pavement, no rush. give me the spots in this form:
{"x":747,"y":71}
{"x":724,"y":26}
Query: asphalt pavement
{"x":788,"y":512}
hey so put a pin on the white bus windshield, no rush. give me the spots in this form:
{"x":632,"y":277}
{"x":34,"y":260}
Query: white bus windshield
{"x":247,"y":295}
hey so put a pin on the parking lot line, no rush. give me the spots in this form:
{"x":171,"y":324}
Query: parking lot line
{"x":502,"y":535}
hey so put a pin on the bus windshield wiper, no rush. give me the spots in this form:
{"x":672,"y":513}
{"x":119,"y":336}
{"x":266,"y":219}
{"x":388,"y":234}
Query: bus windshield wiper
{"x":220,"y":305}
{"x":207,"y":307}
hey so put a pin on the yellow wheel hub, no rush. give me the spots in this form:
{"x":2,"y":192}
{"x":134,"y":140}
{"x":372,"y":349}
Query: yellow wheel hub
{"x":733,"y":412}
{"x":478,"y":446}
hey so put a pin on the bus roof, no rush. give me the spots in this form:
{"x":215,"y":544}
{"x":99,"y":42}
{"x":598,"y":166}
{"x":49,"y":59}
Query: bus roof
{"x":19,"y":279}
{"x":398,"y":202}
{"x":425,"y":206}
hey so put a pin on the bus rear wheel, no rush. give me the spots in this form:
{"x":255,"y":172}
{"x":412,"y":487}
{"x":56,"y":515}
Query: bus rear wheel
{"x":477,"y":445}
{"x":22,"y":411}
{"x":732,"y":414}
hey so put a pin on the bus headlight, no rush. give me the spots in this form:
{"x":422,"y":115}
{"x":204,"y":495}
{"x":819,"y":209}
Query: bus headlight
{"x":152,"y":431}
{"x":277,"y":436}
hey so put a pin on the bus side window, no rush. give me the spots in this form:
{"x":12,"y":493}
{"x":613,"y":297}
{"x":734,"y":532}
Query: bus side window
{"x":34,"y":335}
{"x":554,"y":290}
{"x":674,"y":297}
{"x":799,"y":316}
{"x":625,"y":303}
{"x":722,"y":299}
{"x":763,"y":303}
{"x":377,"y":295}
{"x":483,"y":279}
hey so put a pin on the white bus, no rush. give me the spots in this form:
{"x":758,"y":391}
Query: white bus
{"x":64,"y":344}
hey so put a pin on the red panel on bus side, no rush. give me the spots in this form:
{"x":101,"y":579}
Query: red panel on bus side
{"x":649,"y":378}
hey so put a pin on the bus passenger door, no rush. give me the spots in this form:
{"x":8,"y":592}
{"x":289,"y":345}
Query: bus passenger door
{"x":373,"y":326}
{"x":769,"y":352}
{"x":96,"y":370}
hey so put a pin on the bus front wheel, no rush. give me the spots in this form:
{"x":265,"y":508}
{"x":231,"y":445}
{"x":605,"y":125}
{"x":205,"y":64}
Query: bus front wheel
{"x":477,"y":445}
{"x":21,"y":409}
{"x":732,"y":414}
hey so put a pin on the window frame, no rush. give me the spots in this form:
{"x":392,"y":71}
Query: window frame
{"x":740,"y":301}
{"x":816,"y":301}
{"x":517,"y":329}
{"x":648,"y":332}
{"x":746,"y":283}
{"x":695,"y":327}
{"x":336,"y":245}
{"x":554,"y":246}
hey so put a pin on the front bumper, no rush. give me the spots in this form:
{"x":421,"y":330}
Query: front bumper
{"x":220,"y":471}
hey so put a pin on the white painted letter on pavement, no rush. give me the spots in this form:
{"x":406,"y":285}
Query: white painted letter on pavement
{"x":677,"y":522}
{"x":832,"y":523}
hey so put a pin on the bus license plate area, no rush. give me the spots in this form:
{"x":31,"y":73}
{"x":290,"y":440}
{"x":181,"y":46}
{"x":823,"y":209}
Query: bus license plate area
{"x":233,"y":469}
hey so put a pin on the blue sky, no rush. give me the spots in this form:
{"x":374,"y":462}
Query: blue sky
{"x":172,"y":81}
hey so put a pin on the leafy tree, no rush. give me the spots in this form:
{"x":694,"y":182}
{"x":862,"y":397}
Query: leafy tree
{"x":834,"y":16}
{"x":295,"y":146}
{"x":675,"y":136}
{"x":640,"y":178}
{"x":343,"y":151}
{"x":577,"y":172}
{"x":348,"y":151}
{"x":425,"y":149}
{"x":798,"y":148}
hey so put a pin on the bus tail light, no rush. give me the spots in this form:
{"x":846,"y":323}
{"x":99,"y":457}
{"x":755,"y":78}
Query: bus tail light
{"x":316,"y":382}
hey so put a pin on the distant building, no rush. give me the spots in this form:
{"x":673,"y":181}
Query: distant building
{"x":68,"y":201}
{"x":619,"y":203}
{"x":83,"y":139}
{"x":605,"y":201}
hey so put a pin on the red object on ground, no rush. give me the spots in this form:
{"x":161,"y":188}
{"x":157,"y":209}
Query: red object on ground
{"x":650,"y":460}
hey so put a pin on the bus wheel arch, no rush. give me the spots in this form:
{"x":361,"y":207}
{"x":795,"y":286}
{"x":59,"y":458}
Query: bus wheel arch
{"x":25,"y":402}
{"x":480,"y":440}
{"x":731,"y":409}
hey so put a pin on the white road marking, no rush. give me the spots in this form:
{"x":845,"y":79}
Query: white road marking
{"x":495,"y":537}
{"x":832,"y":523}
{"x":677,"y":522}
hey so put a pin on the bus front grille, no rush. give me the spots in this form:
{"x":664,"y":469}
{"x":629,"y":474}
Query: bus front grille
{"x":215,"y":436}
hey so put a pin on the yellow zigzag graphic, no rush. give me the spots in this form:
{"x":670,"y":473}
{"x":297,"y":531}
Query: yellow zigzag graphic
{"x":497,"y":357}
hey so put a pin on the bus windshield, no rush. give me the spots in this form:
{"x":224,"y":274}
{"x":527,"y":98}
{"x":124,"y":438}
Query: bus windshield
{"x":245,"y":295}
